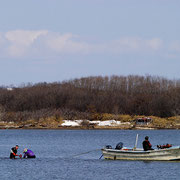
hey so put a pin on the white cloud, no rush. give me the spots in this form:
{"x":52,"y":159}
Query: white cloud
{"x":22,"y":43}
{"x":135,"y":45}
{"x":175,"y":46}
{"x":125,"y":45}
{"x":66,"y":44}
{"x":154,"y":43}
{"x":23,"y":37}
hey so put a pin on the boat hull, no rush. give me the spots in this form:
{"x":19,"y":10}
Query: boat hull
{"x":152,"y":155}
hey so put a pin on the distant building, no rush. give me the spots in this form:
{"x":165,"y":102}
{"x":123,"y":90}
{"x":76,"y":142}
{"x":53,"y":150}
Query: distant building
{"x":142,"y":121}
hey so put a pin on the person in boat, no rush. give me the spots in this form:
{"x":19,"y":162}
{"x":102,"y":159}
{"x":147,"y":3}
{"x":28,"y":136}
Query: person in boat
{"x":28,"y":153}
{"x":146,"y":144}
{"x":13,"y":153}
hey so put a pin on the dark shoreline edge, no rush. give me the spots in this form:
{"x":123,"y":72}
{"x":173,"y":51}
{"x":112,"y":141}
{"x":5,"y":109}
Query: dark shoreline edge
{"x":81,"y":128}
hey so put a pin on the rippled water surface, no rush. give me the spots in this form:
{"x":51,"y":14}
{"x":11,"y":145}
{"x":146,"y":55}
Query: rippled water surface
{"x":56,"y":150}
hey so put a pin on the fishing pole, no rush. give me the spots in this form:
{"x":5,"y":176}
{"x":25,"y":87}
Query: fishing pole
{"x":101,"y":156}
{"x":85,"y":153}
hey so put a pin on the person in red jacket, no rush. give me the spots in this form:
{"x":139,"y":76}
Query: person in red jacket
{"x":146,"y":144}
{"x":13,"y":153}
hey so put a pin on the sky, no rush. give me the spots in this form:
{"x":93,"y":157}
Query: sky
{"x":57,"y":40}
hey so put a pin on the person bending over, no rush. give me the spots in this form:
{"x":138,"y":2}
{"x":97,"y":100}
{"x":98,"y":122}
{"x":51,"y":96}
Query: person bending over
{"x":146,"y":144}
{"x":13,"y":153}
{"x":28,"y":153}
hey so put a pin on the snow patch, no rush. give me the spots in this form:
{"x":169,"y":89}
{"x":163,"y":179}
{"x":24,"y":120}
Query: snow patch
{"x":98,"y":123}
{"x":71,"y":123}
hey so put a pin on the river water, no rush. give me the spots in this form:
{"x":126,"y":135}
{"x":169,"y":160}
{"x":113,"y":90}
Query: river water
{"x":56,"y":152}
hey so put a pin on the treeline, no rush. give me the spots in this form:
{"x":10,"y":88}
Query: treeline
{"x":133,"y":95}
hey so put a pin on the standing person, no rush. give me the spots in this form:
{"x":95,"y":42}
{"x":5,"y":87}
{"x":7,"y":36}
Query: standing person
{"x":146,"y":144}
{"x":13,"y":153}
{"x":28,"y":153}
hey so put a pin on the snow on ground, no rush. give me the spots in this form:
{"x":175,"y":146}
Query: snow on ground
{"x":71,"y":123}
{"x":107,"y":123}
{"x":98,"y":123}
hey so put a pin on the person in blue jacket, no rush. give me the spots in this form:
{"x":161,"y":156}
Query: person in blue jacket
{"x":28,"y":153}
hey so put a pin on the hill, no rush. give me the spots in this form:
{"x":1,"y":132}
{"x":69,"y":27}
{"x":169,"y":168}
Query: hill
{"x":91,"y":98}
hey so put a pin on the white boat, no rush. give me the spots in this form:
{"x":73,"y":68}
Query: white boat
{"x":167,"y":154}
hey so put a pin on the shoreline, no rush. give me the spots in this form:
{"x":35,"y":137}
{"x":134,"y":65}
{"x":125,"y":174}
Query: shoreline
{"x":86,"y":125}
{"x":82,"y":128}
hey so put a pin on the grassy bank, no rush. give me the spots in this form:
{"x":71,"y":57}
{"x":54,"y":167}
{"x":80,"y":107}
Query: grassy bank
{"x":99,"y":121}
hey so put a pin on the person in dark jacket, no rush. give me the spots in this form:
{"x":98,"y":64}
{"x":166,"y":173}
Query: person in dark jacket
{"x":13,"y":153}
{"x":146,"y":144}
{"x":28,"y":153}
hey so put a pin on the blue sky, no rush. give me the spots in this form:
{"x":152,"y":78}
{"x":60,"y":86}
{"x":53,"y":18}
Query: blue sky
{"x":56,"y":40}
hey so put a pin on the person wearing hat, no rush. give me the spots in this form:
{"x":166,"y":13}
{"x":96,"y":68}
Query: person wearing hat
{"x":146,"y":144}
{"x":28,"y":153}
{"x":13,"y":153}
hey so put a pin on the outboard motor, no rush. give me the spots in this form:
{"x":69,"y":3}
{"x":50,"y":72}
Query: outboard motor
{"x":108,"y":147}
{"x":119,"y":145}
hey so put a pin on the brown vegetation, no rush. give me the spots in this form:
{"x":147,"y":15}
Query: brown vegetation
{"x":93,"y":98}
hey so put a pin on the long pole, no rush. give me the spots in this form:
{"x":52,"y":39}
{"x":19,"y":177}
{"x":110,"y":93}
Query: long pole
{"x":136,"y":142}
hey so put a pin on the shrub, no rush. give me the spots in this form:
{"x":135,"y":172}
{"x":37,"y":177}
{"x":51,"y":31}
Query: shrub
{"x":96,"y":116}
{"x":124,"y":118}
{"x":163,"y":123}
{"x":107,"y":116}
{"x":85,"y":124}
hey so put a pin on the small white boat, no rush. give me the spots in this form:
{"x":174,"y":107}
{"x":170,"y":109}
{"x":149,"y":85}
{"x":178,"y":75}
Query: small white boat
{"x":167,"y":154}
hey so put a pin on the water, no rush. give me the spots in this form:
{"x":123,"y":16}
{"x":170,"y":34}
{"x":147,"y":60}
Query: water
{"x":55,"y":150}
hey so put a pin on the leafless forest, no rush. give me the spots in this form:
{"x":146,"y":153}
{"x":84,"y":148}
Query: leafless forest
{"x":80,"y":98}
